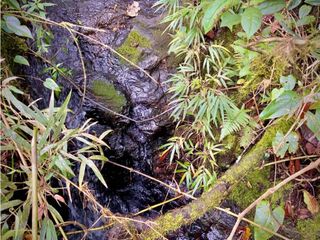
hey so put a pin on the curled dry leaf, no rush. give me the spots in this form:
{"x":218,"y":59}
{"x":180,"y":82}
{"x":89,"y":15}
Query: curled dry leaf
{"x":311,"y":202}
{"x":133,"y":9}
{"x":288,"y":209}
{"x":59,"y":198}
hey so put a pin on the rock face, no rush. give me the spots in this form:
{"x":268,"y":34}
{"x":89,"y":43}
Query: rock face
{"x":114,"y":84}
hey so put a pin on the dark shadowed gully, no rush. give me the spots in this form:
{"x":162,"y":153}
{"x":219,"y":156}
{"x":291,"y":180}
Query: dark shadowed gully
{"x":113,"y":84}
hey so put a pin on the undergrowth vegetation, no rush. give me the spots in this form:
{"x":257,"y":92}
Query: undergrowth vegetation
{"x":38,"y":152}
{"x":245,"y":65}
{"x":43,"y":144}
{"x":217,"y":86}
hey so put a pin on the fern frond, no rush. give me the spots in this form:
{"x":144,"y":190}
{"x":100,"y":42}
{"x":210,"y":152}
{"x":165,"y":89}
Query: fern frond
{"x":234,"y":121}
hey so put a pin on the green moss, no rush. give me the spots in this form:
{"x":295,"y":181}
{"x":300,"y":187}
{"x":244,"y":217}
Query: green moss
{"x":309,"y":228}
{"x":131,"y":48}
{"x":255,"y":183}
{"x":261,"y":68}
{"x":251,"y":187}
{"x":107,"y":92}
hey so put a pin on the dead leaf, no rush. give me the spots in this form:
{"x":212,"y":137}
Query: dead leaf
{"x":288,"y":209}
{"x":311,"y":202}
{"x":59,"y":198}
{"x":303,"y":213}
{"x":133,"y":9}
{"x":292,"y":169}
{"x":246,"y":233}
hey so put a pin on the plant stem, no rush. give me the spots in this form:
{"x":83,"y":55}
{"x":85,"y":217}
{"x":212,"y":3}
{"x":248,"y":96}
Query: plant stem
{"x":34,"y":180}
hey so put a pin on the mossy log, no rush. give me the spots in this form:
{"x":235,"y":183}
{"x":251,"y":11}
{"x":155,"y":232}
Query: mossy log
{"x":176,"y":218}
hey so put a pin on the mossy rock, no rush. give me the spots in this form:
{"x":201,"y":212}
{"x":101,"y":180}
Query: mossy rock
{"x":254,"y":185}
{"x":309,"y":229}
{"x":133,"y":45}
{"x":109,"y":95}
{"x":250,"y":188}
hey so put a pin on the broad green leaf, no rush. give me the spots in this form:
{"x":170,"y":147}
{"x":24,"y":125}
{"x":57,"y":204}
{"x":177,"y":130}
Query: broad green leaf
{"x":51,"y":84}
{"x":14,"y":25}
{"x":229,"y":19}
{"x":313,"y":2}
{"x":212,"y":11}
{"x":304,"y":10}
{"x":288,"y":82}
{"x":305,"y":20}
{"x":281,"y":144}
{"x":313,"y":123}
{"x":266,"y":218}
{"x":293,"y":4}
{"x":251,"y":21}
{"x":286,"y":103}
{"x":271,"y":6}
{"x":21,"y":60}
{"x":275,"y":93}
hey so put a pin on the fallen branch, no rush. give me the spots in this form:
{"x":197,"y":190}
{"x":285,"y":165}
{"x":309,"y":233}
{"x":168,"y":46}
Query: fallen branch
{"x":176,"y":218}
{"x":270,"y":191}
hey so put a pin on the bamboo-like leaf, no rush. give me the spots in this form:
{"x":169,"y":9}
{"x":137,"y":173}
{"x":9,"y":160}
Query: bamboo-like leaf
{"x":94,"y":168}
{"x":10,"y":204}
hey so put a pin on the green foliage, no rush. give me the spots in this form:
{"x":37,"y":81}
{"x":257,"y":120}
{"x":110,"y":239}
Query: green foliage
{"x":55,"y":160}
{"x":229,"y":19}
{"x":271,"y":6}
{"x":309,"y":228}
{"x":36,"y":7}
{"x":267,"y":218}
{"x":313,"y":121}
{"x":281,"y":144}
{"x":12,"y":24}
{"x":287,"y":103}
{"x":284,"y":100}
{"x":51,"y":84}
{"x":202,"y":110}
{"x":251,"y":21}
{"x":213,"y":9}
{"x":21,"y":60}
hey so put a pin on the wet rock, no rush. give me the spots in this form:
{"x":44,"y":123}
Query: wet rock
{"x":149,"y":62}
